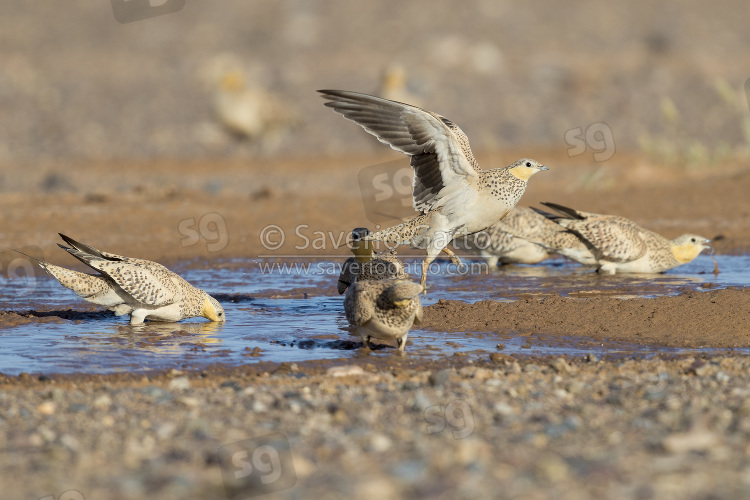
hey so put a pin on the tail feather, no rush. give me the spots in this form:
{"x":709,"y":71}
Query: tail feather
{"x":64,"y":276}
{"x":39,"y":261}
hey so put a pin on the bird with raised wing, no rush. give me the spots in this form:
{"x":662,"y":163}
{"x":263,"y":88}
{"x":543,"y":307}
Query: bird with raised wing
{"x":618,"y":245}
{"x":141,"y":288}
{"x":453,"y":195}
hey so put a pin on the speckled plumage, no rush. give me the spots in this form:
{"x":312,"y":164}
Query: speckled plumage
{"x":384,"y":309}
{"x":619,"y":245}
{"x":141,"y":288}
{"x":453,"y":195}
{"x":384,"y":265}
{"x":511,"y":240}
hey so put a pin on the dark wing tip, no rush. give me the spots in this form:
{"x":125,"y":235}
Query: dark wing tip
{"x":546,"y":215}
{"x":566,"y":211}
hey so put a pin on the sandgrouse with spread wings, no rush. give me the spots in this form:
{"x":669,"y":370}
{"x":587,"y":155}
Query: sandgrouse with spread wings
{"x":453,"y":195}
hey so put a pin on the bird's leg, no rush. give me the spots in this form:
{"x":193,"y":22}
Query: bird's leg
{"x":366,"y":342}
{"x":423,"y":281}
{"x":402,"y":343}
{"x":454,"y":258}
{"x":432,"y":252}
{"x":137,"y":316}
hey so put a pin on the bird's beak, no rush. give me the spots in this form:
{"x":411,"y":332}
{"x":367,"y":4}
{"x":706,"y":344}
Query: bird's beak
{"x":543,"y":168}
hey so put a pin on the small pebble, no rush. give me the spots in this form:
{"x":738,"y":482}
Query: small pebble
{"x":440,"y":377}
{"x":345,"y":371}
{"x":179,"y":384}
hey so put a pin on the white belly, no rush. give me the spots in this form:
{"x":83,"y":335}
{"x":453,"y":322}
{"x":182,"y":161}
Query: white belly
{"x":375,"y":328}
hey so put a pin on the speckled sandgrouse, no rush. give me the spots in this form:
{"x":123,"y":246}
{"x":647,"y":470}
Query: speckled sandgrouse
{"x":452,"y":194}
{"x":366,"y":265}
{"x":141,"y":288}
{"x":619,"y":245}
{"x":384,"y":309}
{"x":511,"y":241}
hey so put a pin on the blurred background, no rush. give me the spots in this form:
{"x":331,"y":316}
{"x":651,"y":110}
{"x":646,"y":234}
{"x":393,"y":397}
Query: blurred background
{"x":666,"y":77}
{"x":125,"y":127}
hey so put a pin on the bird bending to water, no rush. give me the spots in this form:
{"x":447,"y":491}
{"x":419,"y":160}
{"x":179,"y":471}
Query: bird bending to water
{"x":141,"y":288}
{"x":618,"y":245}
{"x":511,"y":241}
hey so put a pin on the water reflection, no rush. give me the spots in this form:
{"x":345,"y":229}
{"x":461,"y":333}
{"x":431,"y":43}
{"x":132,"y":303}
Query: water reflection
{"x":297,"y":315}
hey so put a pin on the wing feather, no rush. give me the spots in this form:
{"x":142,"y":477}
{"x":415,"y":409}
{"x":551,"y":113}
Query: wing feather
{"x":146,"y":281}
{"x":445,"y":171}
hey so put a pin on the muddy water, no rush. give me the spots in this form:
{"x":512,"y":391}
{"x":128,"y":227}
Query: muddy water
{"x":291,"y":312}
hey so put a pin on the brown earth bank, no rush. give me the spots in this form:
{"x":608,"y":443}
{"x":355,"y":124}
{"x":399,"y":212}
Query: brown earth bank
{"x":719,"y":318}
{"x":176,"y":211}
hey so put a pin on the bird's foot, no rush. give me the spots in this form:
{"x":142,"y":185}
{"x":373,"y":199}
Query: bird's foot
{"x":401,"y":342}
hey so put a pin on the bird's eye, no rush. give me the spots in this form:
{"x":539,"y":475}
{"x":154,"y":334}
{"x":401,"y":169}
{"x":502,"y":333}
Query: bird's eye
{"x":528,"y":163}
{"x":692,"y":239}
{"x":221,"y":314}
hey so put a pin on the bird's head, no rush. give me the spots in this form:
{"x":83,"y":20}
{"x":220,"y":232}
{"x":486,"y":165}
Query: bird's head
{"x":394,"y":78}
{"x":525,"y":168}
{"x":686,"y":247}
{"x":361,"y":248}
{"x":232,"y":81}
{"x":212,"y":310}
{"x":403,"y":292}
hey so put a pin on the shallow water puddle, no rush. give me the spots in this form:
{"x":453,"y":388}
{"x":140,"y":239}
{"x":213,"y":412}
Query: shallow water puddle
{"x":291,"y":312}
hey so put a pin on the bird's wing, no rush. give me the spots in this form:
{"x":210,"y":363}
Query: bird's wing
{"x":445,"y":171}
{"x":86,"y":253}
{"x":146,"y":281}
{"x":570,"y":213}
{"x":359,"y":304}
{"x":613,"y":238}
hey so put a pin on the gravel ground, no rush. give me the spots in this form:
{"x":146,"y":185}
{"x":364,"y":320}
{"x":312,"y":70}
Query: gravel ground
{"x":501,"y":428}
